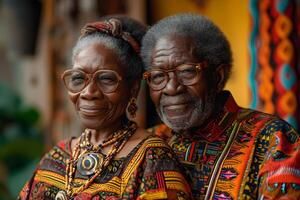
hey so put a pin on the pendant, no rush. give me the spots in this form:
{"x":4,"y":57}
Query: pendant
{"x":88,"y":163}
{"x":61,"y":195}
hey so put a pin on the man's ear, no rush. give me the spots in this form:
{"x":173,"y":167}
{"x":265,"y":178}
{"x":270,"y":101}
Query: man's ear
{"x":221,"y":76}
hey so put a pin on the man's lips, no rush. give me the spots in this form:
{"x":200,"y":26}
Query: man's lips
{"x":176,"y":109}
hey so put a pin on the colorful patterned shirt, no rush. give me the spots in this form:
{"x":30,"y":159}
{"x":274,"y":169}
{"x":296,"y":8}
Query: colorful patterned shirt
{"x":240,"y":154}
{"x":150,"y":171}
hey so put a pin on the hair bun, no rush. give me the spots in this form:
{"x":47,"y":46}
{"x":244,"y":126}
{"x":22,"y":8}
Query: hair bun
{"x":111,"y":27}
{"x":116,"y":27}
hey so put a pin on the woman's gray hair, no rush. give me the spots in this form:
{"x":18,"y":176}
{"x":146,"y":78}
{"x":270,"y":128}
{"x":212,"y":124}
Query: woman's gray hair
{"x":127,"y":55}
{"x":210,"y":43}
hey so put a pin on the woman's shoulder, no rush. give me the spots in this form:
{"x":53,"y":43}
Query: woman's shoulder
{"x":57,"y":154}
{"x":156,"y":169}
{"x":144,"y":140}
{"x":153,"y":154}
{"x":63,"y":146}
{"x":155,"y":150}
{"x":154,"y":141}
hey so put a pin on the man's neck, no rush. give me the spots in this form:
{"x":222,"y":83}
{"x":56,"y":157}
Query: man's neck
{"x":210,"y":126}
{"x":221,"y":99}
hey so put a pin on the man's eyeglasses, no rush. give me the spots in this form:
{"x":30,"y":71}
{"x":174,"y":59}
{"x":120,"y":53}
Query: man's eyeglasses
{"x":186,"y":74}
{"x":76,"y":80}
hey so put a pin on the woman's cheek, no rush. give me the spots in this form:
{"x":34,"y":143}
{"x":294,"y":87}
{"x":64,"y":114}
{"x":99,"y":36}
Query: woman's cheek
{"x":74,"y":98}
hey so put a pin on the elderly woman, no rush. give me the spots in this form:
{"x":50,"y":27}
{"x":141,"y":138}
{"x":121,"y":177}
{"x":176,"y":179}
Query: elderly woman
{"x":113,"y":158}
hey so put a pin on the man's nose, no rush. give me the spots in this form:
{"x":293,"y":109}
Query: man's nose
{"x":173,"y":86}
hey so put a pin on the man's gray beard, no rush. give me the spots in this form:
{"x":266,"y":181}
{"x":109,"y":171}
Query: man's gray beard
{"x":200,"y":113}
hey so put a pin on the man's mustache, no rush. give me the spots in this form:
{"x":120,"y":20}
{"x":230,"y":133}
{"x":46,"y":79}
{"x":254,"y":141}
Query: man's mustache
{"x":178,"y":99}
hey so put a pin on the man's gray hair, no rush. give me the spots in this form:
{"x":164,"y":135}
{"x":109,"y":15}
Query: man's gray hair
{"x":210,"y":43}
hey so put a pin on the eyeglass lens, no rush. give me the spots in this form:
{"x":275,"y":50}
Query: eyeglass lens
{"x":186,"y":74}
{"x":76,"y":81}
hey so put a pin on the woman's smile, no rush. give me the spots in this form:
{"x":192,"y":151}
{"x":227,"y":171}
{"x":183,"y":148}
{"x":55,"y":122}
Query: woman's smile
{"x":91,"y":111}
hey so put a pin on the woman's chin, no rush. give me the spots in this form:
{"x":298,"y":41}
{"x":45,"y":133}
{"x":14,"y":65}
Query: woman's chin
{"x":99,"y":121}
{"x":92,"y":123}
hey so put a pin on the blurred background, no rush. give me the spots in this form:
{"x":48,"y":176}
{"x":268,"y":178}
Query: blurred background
{"x":37,"y":36}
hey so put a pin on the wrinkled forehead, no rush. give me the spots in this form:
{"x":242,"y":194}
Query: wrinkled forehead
{"x":96,"y":57}
{"x":172,"y":50}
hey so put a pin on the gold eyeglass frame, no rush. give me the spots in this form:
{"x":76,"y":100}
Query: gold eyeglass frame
{"x":199,"y":66}
{"x":90,"y":76}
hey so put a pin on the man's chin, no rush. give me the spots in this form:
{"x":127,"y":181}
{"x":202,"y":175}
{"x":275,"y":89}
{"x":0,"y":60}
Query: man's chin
{"x":184,"y":121}
{"x":177,"y":123}
{"x":177,"y":127}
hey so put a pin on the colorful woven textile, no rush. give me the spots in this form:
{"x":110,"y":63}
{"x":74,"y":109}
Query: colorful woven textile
{"x":148,"y":172}
{"x":237,"y":151}
{"x":275,"y":68}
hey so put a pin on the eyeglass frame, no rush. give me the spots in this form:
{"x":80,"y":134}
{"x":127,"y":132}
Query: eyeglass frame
{"x":90,"y":76}
{"x":198,"y":66}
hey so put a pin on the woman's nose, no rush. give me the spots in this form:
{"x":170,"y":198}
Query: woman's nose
{"x":91,"y":91}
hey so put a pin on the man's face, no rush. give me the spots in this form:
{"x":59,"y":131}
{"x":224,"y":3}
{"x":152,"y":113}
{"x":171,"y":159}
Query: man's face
{"x":179,"y":106}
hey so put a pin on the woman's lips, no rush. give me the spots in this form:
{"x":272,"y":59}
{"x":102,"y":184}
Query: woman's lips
{"x":88,"y":111}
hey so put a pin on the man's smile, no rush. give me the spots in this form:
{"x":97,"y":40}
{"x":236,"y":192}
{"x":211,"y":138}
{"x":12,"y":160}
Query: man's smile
{"x":176,"y":110}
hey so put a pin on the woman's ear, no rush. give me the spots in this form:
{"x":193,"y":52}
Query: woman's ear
{"x":221,"y":76}
{"x":135,"y":88}
{"x":132,"y":106}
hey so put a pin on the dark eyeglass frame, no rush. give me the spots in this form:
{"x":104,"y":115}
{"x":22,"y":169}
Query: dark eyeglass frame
{"x":198,"y":66}
{"x":90,"y":76}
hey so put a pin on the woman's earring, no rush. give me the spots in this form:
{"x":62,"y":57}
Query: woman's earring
{"x":132,"y":107}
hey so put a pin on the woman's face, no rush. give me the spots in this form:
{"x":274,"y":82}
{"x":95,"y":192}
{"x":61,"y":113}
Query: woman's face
{"x":97,"y":109}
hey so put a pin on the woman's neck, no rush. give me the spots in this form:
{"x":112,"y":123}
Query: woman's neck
{"x":100,"y":135}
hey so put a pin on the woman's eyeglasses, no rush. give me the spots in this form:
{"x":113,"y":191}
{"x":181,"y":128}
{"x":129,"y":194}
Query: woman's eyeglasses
{"x":76,"y":80}
{"x":186,"y":74}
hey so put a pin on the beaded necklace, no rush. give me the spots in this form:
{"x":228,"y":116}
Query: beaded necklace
{"x":87,"y":159}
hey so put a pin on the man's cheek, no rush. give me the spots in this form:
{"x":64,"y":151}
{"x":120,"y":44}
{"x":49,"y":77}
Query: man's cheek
{"x":155,"y":96}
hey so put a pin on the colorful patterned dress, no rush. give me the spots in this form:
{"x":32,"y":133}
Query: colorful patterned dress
{"x":148,"y":172}
{"x":240,"y":154}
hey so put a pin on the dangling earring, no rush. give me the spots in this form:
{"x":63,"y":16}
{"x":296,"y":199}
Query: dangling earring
{"x":132,"y":107}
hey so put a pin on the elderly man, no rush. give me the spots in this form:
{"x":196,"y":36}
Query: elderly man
{"x":228,"y":152}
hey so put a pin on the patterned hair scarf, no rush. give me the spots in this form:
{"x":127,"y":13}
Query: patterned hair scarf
{"x":112,"y":27}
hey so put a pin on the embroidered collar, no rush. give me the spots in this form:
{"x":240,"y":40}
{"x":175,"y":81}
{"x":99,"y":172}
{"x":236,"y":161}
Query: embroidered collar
{"x":216,"y":125}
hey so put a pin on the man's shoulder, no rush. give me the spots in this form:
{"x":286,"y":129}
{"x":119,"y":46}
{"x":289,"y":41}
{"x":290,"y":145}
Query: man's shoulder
{"x":252,"y":116}
{"x":248,"y":113}
{"x":263,"y":122}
